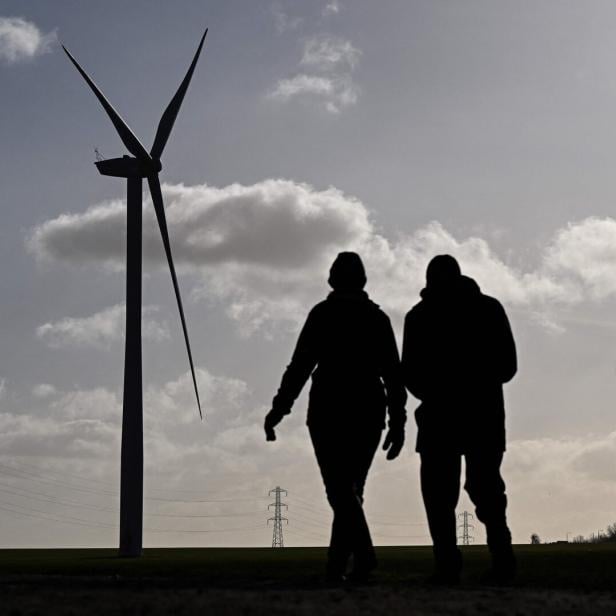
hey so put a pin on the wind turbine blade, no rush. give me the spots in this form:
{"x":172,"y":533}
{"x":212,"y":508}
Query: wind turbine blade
{"x":133,"y":145}
{"x":159,"y":208}
{"x":167,"y":120}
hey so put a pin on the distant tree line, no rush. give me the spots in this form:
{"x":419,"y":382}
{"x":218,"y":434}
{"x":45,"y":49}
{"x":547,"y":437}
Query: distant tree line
{"x":609,"y":536}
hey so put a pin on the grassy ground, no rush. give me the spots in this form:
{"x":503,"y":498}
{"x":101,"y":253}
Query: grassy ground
{"x":559,"y":579}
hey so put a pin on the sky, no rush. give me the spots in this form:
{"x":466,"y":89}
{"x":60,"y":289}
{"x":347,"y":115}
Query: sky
{"x":400,"y":129}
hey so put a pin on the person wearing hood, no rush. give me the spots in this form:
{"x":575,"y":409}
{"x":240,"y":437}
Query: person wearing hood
{"x":348,"y":347}
{"x":457,"y":352}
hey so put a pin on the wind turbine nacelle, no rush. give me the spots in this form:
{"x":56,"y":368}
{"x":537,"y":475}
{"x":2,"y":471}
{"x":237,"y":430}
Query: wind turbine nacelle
{"x":127,"y":167}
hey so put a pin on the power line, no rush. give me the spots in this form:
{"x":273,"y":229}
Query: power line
{"x":89,"y":480}
{"x":21,"y":474}
{"x":373,"y":518}
{"x":312,"y":521}
{"x":307,"y":535}
{"x":70,"y":520}
{"x":46,"y":498}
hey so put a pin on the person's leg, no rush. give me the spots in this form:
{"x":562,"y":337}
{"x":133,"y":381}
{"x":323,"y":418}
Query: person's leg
{"x":337,"y":483}
{"x":486,"y":488}
{"x":440,"y":488}
{"x":365,"y":445}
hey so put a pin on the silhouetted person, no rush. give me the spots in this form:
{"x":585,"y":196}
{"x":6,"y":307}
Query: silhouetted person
{"x":458,"y":350}
{"x":348,"y":346}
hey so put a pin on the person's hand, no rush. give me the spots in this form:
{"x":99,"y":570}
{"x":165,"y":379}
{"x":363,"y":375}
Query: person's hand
{"x":393,"y":443}
{"x":272,"y":419}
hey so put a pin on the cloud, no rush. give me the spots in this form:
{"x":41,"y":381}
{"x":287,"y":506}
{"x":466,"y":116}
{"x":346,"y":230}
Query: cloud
{"x":274,"y":223}
{"x":588,"y":460}
{"x":84,"y":422}
{"x":331,"y":8}
{"x":22,"y":40}
{"x":330,"y":84}
{"x":302,"y":84}
{"x":335,"y":93}
{"x":265,"y":249}
{"x":2,"y":388}
{"x":83,"y":427}
{"x":586,"y":251}
{"x":225,"y":456}
{"x":282,"y":21}
{"x":89,"y":237}
{"x":43,"y":390}
{"x":327,"y":53}
{"x":99,"y":330}
{"x":67,"y":451}
{"x":572,"y":477}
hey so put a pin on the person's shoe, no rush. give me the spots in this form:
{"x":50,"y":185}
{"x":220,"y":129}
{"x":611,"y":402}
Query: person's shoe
{"x":447,"y":567}
{"x":335,"y":580}
{"x":502,"y":572}
{"x":335,"y":574}
{"x":364,"y":564}
{"x":362,"y":574}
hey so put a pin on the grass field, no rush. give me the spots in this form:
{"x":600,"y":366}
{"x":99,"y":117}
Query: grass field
{"x":558,"y":579}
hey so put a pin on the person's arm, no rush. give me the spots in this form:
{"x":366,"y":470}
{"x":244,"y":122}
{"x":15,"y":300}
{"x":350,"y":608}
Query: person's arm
{"x":392,"y":377}
{"x":412,"y":362}
{"x":302,"y":364}
{"x":506,"y":351}
{"x":395,"y":393}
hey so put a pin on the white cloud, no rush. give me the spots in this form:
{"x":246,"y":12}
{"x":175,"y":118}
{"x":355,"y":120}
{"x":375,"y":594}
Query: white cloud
{"x":89,"y":237}
{"x":99,"y":330}
{"x":68,"y":450}
{"x":334,"y":93}
{"x":79,"y":423}
{"x":84,"y":426}
{"x":330,"y":85}
{"x":175,"y":400}
{"x":2,"y":388}
{"x":226,"y":456}
{"x":586,"y":251}
{"x":274,"y":223}
{"x":21,"y":40}
{"x":282,"y":21}
{"x":328,"y":53}
{"x":43,"y":390}
{"x":302,"y":84}
{"x":265,"y":250}
{"x":331,"y":8}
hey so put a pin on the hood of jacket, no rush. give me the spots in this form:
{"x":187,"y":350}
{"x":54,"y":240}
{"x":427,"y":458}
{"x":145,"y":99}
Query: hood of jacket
{"x":359,"y":296}
{"x":465,"y":288}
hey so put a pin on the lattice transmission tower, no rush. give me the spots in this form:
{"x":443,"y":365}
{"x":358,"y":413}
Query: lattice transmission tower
{"x":466,"y":537}
{"x":277,"y":539}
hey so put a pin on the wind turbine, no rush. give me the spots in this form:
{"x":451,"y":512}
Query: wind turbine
{"x":134,"y":168}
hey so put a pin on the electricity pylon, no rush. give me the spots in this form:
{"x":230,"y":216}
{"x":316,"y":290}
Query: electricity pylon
{"x":466,"y":538}
{"x":277,"y":540}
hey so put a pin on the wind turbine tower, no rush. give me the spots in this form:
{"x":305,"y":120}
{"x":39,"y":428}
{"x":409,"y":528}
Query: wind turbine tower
{"x":142,"y":164}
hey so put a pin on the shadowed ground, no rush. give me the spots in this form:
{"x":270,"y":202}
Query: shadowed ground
{"x":560,"y":579}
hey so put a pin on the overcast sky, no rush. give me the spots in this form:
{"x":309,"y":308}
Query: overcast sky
{"x":400,"y":129}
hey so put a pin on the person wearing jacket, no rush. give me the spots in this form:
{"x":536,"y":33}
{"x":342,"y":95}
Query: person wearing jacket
{"x":348,"y":347}
{"x":457,"y":352}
